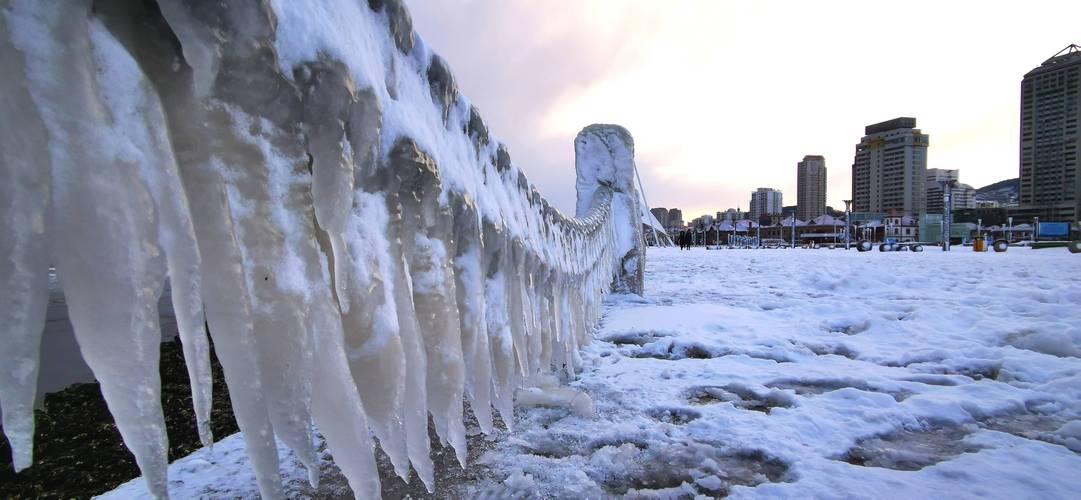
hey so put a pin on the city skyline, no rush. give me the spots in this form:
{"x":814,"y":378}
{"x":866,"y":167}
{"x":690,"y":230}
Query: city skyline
{"x":718,"y":108}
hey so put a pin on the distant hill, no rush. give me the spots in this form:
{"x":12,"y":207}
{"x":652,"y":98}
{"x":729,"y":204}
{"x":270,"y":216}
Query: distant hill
{"x":1004,"y":192}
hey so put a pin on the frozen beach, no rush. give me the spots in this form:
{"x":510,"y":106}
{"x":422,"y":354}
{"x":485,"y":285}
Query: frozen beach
{"x":797,"y":373}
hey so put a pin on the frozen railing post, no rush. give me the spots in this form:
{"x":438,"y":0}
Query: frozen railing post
{"x":604,"y":160}
{"x":319,"y":194}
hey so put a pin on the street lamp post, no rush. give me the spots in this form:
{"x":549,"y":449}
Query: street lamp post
{"x":848,"y":223}
{"x":947,"y":219}
{"x":793,"y":230}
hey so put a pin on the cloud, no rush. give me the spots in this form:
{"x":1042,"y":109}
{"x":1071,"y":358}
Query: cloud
{"x":516,"y":60}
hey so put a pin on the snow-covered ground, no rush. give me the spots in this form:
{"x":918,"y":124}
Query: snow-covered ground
{"x":777,"y":372}
{"x":803,"y":373}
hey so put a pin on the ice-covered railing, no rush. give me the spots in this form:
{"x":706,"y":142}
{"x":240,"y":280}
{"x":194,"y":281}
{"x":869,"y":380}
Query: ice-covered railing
{"x":362,"y":252}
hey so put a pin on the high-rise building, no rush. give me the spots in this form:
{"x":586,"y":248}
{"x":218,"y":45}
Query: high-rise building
{"x":765,"y":201}
{"x":1050,"y":140}
{"x":889,"y":168}
{"x":936,"y":175}
{"x":675,"y":218}
{"x":661,"y":214}
{"x":964,"y":196}
{"x":702,"y":221}
{"x":732,"y":214}
{"x":811,"y":187}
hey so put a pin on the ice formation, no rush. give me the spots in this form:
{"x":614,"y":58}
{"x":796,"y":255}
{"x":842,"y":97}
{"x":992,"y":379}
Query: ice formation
{"x":325,"y":204}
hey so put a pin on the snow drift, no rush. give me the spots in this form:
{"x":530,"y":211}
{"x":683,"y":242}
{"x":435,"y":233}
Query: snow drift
{"x":327,"y":206}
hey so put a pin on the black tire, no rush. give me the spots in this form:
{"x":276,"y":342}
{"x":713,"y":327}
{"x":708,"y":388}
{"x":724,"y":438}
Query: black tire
{"x":917,"y":248}
{"x":885,"y":247}
{"x":1000,"y":245}
{"x":864,"y":246}
{"x":1074,"y":246}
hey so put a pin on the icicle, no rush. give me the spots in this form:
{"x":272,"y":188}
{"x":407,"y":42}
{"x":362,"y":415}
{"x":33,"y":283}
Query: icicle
{"x":498,"y":327}
{"x":513,"y":272}
{"x":24,"y":270}
{"x":328,"y":96}
{"x":415,"y":402}
{"x":336,"y":403}
{"x":184,"y":277}
{"x":100,"y":206}
{"x":228,"y":308}
{"x":433,"y":288}
{"x":269,"y":198}
{"x":260,"y":156}
{"x":228,"y":312}
{"x":532,"y":305}
{"x":373,"y":344}
{"x":134,"y":105}
{"x":415,"y":407}
{"x":469,"y":285}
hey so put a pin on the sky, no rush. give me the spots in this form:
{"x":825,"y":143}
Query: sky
{"x":724,"y":97}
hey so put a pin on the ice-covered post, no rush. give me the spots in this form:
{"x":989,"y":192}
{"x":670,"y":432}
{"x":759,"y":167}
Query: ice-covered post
{"x":604,"y":160}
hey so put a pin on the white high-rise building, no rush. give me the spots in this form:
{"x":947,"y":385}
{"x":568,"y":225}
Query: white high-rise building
{"x":765,"y":201}
{"x":732,"y":214}
{"x":889,"y":168}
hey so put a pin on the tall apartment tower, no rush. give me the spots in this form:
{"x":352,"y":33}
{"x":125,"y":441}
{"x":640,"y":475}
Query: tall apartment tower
{"x":889,"y":168}
{"x":810,"y":187}
{"x":765,"y":201}
{"x":661,"y":214}
{"x":1050,"y":140}
{"x":675,"y":218}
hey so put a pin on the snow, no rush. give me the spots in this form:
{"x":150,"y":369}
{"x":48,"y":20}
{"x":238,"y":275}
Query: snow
{"x":224,"y":472}
{"x":755,"y":372}
{"x":776,"y":373}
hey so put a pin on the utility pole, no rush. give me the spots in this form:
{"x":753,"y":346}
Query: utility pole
{"x":848,"y":223}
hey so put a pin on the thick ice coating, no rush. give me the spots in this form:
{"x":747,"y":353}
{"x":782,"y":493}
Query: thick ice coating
{"x":324,"y":203}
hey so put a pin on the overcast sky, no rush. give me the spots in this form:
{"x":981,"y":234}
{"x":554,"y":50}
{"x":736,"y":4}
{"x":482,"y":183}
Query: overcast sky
{"x":724,"y":97}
